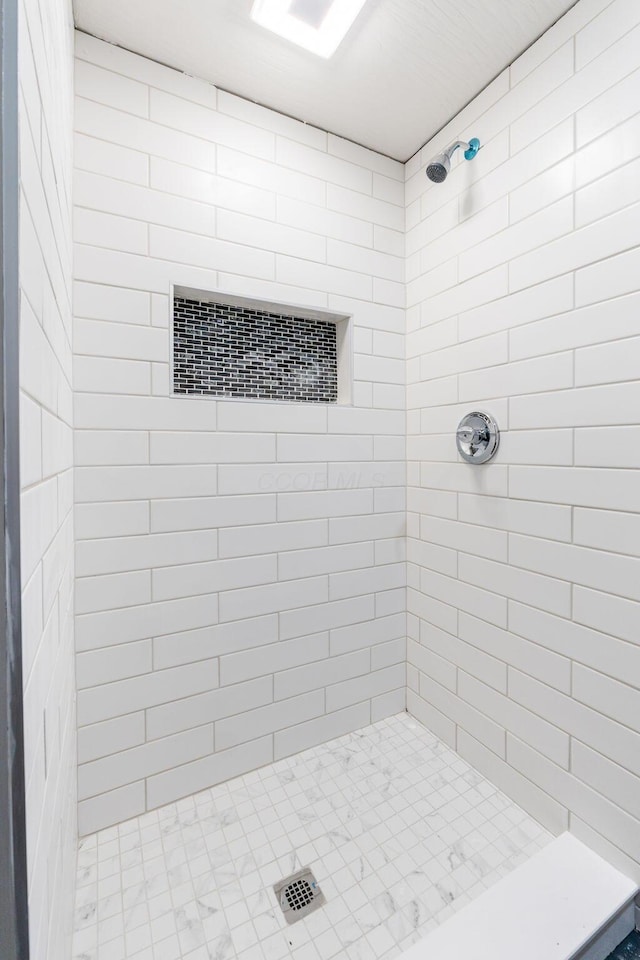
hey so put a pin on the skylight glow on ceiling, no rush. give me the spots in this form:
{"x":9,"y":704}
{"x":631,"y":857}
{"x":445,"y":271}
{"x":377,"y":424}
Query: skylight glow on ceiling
{"x":317,"y":25}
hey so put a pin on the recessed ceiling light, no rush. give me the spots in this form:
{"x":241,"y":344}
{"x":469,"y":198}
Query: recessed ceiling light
{"x":316,"y":25}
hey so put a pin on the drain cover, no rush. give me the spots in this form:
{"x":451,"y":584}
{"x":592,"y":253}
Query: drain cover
{"x":299,"y":895}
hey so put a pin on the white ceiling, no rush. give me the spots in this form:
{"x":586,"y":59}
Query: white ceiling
{"x":404,"y":69}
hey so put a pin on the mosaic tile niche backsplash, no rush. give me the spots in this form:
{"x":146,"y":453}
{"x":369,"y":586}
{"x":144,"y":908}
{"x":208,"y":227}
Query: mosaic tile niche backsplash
{"x":225,"y":350}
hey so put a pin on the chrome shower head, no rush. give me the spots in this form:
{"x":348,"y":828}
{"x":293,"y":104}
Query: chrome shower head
{"x":439,"y":167}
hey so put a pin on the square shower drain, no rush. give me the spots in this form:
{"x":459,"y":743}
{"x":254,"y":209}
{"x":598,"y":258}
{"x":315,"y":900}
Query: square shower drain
{"x":298,"y":895}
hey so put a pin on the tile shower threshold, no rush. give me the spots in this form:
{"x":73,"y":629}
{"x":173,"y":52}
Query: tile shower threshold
{"x":399,"y":831}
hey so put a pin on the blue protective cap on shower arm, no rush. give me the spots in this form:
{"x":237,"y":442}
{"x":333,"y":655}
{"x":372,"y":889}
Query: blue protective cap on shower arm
{"x":472,"y":149}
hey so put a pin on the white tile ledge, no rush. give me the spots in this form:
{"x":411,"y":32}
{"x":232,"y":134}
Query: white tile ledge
{"x":551,"y":906}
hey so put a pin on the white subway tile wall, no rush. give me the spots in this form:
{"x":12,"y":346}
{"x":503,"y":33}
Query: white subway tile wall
{"x":45,"y":53}
{"x":522,"y":287}
{"x":241,"y":565}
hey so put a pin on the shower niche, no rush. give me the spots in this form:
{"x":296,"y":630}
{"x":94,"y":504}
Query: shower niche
{"x":241,"y":348}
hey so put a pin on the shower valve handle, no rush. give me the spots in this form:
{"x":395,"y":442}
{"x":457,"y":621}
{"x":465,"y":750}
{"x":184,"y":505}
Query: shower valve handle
{"x":471,"y":436}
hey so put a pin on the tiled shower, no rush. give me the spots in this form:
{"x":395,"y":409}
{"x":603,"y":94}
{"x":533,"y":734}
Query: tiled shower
{"x":295,"y":628}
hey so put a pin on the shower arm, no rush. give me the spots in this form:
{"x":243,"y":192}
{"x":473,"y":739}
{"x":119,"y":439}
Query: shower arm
{"x":470,"y":148}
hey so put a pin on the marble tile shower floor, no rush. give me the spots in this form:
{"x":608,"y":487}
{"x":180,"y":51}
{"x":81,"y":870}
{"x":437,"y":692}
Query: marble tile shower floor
{"x":400,"y":832}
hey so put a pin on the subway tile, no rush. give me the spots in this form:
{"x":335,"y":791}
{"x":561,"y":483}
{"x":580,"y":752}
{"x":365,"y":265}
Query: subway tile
{"x":271,"y":658}
{"x":205,"y":708}
{"x":517,"y":584}
{"x":110,"y":592}
{"x":490,"y":733}
{"x":354,"y":583}
{"x":113,"y":448}
{"x":186,"y":580}
{"x":523,"y":307}
{"x":331,"y":503}
{"x":140,"y":68}
{"x":109,"y":159}
{"x":255,"y":601}
{"x":603,"y":30}
{"x":575,"y":92}
{"x":111,"y":88}
{"x":550,"y":447}
{"x":543,"y":190}
{"x":231,"y":731}
{"x":607,"y":530}
{"x":598,"y":650}
{"x":608,"y":194}
{"x":137,"y":693}
{"x":144,"y":482}
{"x":278,"y":123}
{"x":254,"y":232}
{"x":199,"y":121}
{"x":271,"y":418}
{"x":423,"y":658}
{"x":115,"y":771}
{"x":144,"y":413}
{"x":329,"y":560}
{"x":113,"y":807}
{"x":605,"y":777}
{"x":526,"y":655}
{"x":297,"y":156}
{"x":431,"y":718}
{"x":612,"y":107}
{"x":363,"y":634}
{"x":612,"y":277}
{"x":204,"y":187}
{"x":584,"y":406}
{"x":295,"y":680}
{"x":305,"y":735}
{"x":320,"y":276}
{"x":104,"y":230}
{"x":256,"y":172}
{"x":95,"y":630}
{"x":617,"y":700}
{"x":325,"y":616}
{"x":605,"y":735}
{"x":251,"y":540}
{"x":151,"y":208}
{"x":107,"y":375}
{"x":96,"y":667}
{"x":374,"y":684}
{"x":104,"y":519}
{"x":524,"y":377}
{"x":544,"y":805}
{"x":578,"y":486}
{"x":115,"y":554}
{"x":180,"y":246}
{"x":111,"y":736}
{"x":584,"y":246}
{"x":596,"y":810}
{"x":606,"y":571}
{"x":218,"y":639}
{"x":356,"y":204}
{"x":477,"y":596}
{"x":608,"y":362}
{"x":201,"y":513}
{"x":188,"y":778}
{"x":536,"y":231}
{"x":193,"y":448}
{"x":386,"y":654}
{"x":327,"y":223}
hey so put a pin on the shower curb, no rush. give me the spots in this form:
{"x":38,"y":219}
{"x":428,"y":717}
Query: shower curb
{"x":565,"y":903}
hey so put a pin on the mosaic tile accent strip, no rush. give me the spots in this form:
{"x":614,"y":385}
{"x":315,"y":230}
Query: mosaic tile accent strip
{"x":399,"y":831}
{"x":230,"y":351}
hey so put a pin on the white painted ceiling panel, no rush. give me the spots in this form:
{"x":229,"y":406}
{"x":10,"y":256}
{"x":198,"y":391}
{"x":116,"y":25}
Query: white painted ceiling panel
{"x":405,"y":68}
